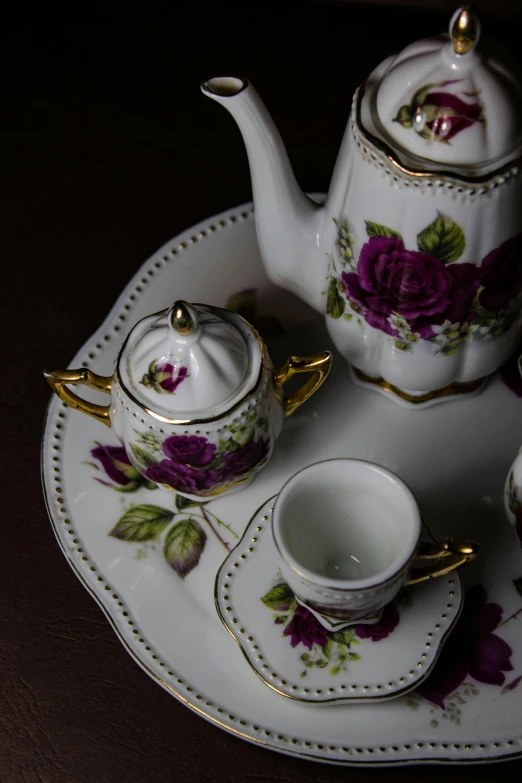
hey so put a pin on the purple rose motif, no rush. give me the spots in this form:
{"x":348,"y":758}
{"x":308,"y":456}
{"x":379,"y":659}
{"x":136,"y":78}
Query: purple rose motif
{"x":473,"y":650}
{"x":378,"y":631}
{"x":189,"y":449}
{"x":305,"y":629}
{"x":439,"y":115}
{"x":164,"y":377}
{"x":501,"y":274}
{"x":415,"y":285}
{"x":245,"y":459}
{"x":174,"y":376}
{"x":186,"y":467}
{"x":184,"y":478}
{"x":452,"y":114}
{"x":118,"y":468}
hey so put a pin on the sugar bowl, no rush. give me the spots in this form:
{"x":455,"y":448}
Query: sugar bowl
{"x":195,"y":398}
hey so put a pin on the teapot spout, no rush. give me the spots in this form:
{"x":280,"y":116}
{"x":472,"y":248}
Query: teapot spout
{"x":288,"y":222}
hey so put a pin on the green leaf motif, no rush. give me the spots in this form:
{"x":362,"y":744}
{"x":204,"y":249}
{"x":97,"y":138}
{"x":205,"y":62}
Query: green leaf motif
{"x":142,"y":523}
{"x":279,"y":598}
{"x":183,"y":546}
{"x":376,"y":230}
{"x":183,"y":503}
{"x":444,"y":239}
{"x":518,"y":585}
{"x":327,"y":649}
{"x":346,"y":636}
{"x":142,"y":456}
{"x":335,"y":303}
{"x":420,"y":96}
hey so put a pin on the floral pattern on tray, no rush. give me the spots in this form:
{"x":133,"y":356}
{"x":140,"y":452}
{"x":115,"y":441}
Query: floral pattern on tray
{"x":423,"y":295}
{"x":181,"y":530}
{"x":474,"y":654}
{"x":331,"y":650}
{"x":439,"y":115}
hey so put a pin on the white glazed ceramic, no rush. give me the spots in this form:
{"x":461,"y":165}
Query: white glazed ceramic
{"x":513,"y":496}
{"x":347,"y":535}
{"x":454,"y":457}
{"x":363,"y":663}
{"x":415,"y":256}
{"x":195,"y":399}
{"x":513,"y":489}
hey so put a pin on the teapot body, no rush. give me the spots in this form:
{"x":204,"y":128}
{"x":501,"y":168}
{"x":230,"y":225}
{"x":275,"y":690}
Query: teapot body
{"x":424,"y":270}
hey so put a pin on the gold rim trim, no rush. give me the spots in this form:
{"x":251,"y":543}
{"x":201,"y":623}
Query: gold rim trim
{"x":210,"y":494}
{"x":357,"y":699}
{"x":446,"y":391}
{"x":396,"y":162}
{"x":164,"y":419}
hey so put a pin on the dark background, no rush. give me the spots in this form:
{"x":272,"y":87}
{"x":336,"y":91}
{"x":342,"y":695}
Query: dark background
{"x":107,"y":150}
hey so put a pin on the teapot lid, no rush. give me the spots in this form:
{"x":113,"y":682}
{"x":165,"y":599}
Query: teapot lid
{"x":190,"y":362}
{"x":448,"y":100}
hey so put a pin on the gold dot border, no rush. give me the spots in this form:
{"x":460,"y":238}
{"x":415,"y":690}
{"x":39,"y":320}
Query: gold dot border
{"x":344,"y":692}
{"x":136,"y":642}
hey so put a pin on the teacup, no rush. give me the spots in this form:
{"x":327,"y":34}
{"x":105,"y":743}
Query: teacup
{"x":347,"y":534}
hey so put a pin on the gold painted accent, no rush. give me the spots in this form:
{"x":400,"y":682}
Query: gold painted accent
{"x":265,"y":363}
{"x":360,"y":699}
{"x":216,"y":492}
{"x":181,"y":319}
{"x":319,"y":365}
{"x":416,"y":399}
{"x":57,"y":380}
{"x":449,"y":551}
{"x":394,"y":160}
{"x":466,"y":29}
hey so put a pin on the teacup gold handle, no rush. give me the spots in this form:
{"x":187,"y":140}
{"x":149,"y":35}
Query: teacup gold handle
{"x":57,"y":380}
{"x":319,"y":365}
{"x":442,"y":557}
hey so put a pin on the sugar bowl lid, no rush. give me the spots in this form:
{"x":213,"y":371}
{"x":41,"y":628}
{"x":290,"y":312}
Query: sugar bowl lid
{"x":453,"y":100}
{"x":190,"y":362}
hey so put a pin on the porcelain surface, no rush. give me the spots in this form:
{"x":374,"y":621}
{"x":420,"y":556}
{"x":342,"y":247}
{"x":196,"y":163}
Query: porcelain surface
{"x":415,"y":256}
{"x":150,"y":558}
{"x":219,"y":444}
{"x":294,"y":655}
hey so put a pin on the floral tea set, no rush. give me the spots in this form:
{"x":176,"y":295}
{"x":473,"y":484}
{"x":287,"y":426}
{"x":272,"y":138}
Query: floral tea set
{"x":415,"y":258}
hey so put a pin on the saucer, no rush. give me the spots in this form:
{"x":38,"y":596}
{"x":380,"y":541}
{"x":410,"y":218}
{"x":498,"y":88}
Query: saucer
{"x":297,"y":657}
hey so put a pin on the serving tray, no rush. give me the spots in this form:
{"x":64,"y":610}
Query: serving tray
{"x":150,"y":559}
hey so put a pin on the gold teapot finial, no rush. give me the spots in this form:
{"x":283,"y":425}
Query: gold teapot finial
{"x":181,"y":319}
{"x":465,"y":29}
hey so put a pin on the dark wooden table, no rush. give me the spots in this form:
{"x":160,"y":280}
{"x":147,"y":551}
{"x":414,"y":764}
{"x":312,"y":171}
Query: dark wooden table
{"x":108,"y":149}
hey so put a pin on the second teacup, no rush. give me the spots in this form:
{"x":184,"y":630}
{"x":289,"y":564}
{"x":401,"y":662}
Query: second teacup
{"x":347,"y":533}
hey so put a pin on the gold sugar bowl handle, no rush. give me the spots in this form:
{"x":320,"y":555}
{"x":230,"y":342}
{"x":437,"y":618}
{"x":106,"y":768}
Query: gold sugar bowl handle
{"x":441,"y":558}
{"x":58,"y":380}
{"x":319,"y":366}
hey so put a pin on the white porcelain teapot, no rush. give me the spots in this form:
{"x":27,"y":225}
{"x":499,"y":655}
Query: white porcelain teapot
{"x":416,"y":256}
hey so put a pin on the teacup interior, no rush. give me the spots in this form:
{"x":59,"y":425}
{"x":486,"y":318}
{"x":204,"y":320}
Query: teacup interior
{"x":346,"y":520}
